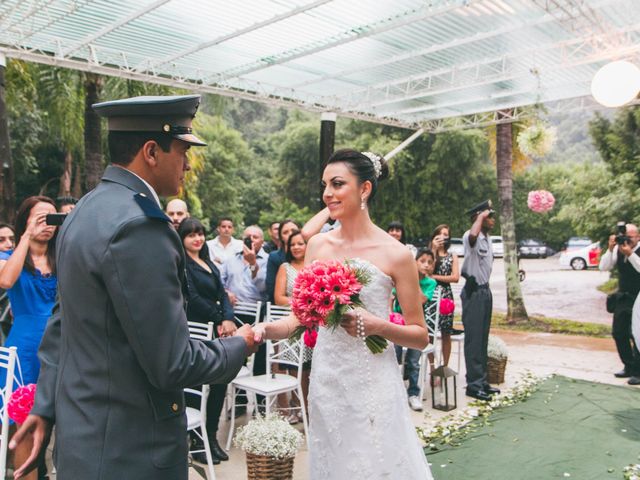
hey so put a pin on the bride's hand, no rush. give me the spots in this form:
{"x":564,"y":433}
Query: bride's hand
{"x":350,"y":319}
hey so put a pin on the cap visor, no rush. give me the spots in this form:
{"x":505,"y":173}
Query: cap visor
{"x":191,"y":139}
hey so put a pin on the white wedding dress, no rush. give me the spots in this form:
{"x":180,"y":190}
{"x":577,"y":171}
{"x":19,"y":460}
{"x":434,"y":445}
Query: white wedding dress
{"x":360,"y":426}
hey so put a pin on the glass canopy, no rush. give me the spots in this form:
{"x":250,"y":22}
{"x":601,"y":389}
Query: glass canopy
{"x":409,"y":63}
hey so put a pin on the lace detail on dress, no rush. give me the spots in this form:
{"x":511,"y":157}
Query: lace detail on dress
{"x":46,"y":285}
{"x":360,"y":426}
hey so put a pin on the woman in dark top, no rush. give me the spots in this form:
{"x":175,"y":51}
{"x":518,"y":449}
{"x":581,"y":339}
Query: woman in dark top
{"x":207,"y":301}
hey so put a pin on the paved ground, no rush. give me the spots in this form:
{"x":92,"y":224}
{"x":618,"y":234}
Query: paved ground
{"x":555,"y":291}
{"x":578,"y":357}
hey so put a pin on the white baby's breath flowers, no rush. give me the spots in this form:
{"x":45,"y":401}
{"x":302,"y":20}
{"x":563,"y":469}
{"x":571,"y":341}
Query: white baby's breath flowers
{"x":271,"y":436}
{"x":496,"y":348}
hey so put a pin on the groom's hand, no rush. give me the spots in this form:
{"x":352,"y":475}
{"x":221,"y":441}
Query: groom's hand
{"x":40,"y":429}
{"x":247,"y":333}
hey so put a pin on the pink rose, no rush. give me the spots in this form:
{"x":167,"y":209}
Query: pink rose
{"x":21,"y":403}
{"x":310,"y":338}
{"x":396,"y":318}
{"x":447,"y":306}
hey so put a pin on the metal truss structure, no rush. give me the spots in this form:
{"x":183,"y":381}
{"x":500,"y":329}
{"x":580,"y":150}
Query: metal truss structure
{"x":436,"y":64}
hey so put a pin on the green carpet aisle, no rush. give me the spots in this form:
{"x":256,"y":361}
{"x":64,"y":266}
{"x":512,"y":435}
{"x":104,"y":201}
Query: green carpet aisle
{"x":567,"y":429}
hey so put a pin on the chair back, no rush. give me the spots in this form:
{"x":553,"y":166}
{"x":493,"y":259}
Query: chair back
{"x":283,"y":352}
{"x":201,"y":331}
{"x":251,"y":309}
{"x":8,"y":360}
{"x":432,"y":315}
{"x":276,"y":312}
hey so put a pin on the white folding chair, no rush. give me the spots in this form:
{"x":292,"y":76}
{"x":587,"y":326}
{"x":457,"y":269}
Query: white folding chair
{"x":432,"y":318}
{"x":271,"y":385}
{"x":250,"y":309}
{"x":197,"y":417}
{"x":8,"y":360}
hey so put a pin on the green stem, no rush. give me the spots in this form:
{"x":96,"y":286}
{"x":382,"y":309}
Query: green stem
{"x":376,"y":343}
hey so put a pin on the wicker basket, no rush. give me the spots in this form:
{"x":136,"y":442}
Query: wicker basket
{"x":495,"y":370}
{"x":261,"y":467}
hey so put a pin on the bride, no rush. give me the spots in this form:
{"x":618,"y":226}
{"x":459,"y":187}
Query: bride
{"x":360,"y":426}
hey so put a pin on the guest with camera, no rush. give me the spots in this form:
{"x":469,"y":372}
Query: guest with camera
{"x":622,"y":253}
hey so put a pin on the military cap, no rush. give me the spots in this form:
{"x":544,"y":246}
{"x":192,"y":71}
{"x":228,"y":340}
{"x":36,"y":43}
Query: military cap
{"x":171,"y":115}
{"x":481,"y":207}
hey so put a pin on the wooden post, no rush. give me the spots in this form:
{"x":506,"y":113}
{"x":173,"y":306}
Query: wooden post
{"x":327,"y":141}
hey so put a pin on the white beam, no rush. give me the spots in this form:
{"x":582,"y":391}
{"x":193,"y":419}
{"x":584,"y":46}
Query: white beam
{"x":237,"y":33}
{"x":404,"y":144}
{"x":113,"y":26}
{"x":350,"y":35}
{"x":456,"y":78}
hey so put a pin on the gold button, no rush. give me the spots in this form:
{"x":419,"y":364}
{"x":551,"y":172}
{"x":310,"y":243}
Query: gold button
{"x":174,"y":407}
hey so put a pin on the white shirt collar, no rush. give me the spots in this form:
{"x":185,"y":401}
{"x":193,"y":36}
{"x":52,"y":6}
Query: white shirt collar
{"x":153,"y":192}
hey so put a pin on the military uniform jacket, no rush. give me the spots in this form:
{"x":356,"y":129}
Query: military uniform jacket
{"x":116,"y":353}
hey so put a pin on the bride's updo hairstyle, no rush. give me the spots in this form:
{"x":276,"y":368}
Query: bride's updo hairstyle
{"x":365,"y":166}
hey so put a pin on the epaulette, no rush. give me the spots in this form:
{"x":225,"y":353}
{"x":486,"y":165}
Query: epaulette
{"x":150,"y":208}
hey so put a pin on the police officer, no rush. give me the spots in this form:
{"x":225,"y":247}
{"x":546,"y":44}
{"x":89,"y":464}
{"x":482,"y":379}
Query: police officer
{"x":477,"y":301}
{"x":116,"y":354}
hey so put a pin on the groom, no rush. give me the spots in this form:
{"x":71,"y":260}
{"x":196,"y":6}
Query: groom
{"x":116,"y":354}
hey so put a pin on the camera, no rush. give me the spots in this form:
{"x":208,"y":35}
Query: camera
{"x":621,"y":233}
{"x":248,"y":243}
{"x":55,"y":218}
{"x":447,"y":243}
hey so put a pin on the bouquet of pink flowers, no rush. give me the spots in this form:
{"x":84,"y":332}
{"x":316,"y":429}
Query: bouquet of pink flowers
{"x":540,"y":201}
{"x":322,"y":293}
{"x":21,"y":403}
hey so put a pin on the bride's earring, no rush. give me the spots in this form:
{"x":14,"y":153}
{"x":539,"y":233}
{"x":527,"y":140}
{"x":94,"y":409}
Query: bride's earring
{"x":363,"y":204}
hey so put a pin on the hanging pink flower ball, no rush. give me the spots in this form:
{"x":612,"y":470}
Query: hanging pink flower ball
{"x":540,"y":201}
{"x":447,"y":306}
{"x":21,"y":403}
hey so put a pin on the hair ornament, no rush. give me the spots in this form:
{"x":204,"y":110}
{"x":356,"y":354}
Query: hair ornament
{"x":375,"y":160}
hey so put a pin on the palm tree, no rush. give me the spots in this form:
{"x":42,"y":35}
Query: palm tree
{"x":516,"y":311}
{"x":62,"y":94}
{"x":94,"y":159}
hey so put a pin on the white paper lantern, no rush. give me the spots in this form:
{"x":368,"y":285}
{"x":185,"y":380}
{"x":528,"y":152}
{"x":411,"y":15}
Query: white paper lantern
{"x":616,"y":84}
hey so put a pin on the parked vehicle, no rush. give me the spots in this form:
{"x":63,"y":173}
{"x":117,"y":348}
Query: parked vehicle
{"x":532,"y":248}
{"x":577,"y":242}
{"x":457,"y":247}
{"x":581,"y":258}
{"x":497,"y":246}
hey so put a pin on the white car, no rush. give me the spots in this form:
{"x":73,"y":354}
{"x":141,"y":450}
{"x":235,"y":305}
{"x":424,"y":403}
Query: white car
{"x":457,"y":247}
{"x":581,"y":258}
{"x":497,"y":246}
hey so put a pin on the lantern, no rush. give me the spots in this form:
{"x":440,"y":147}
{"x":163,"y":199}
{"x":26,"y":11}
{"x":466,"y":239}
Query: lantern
{"x":443,"y":389}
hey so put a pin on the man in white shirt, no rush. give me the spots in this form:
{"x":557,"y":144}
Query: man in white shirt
{"x":224,"y":245}
{"x":622,"y":253}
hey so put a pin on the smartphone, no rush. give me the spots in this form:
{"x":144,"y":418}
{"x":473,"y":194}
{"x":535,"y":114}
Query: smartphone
{"x":55,"y":218}
{"x":248,"y":243}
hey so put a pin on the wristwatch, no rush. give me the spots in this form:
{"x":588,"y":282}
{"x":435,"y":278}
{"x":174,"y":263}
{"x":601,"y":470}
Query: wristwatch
{"x":253,"y":268}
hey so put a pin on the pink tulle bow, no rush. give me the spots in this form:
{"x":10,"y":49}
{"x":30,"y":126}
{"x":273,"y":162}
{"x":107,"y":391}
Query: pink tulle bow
{"x":310,"y":338}
{"x":396,"y":318}
{"x":447,"y":306}
{"x":21,"y":403}
{"x":540,"y":201}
